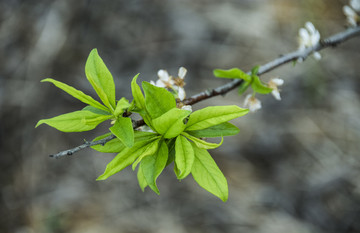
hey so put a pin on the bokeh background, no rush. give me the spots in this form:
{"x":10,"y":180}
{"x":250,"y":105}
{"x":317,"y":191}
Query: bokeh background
{"x":294,"y":167}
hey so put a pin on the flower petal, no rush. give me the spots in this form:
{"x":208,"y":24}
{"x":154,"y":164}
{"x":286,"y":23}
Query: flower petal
{"x":187,"y":107}
{"x":163,"y":75}
{"x":181,"y":93}
{"x":160,"y":83}
{"x":247,"y":99}
{"x":253,"y":103}
{"x":349,"y":12}
{"x":317,"y":55}
{"x":276,"y":94}
{"x":310,"y":27}
{"x":355,"y":4}
{"x":182,"y":72}
{"x":277,"y":81}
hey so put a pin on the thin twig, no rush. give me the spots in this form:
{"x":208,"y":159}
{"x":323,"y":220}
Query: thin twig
{"x":331,"y":41}
{"x":293,"y":56}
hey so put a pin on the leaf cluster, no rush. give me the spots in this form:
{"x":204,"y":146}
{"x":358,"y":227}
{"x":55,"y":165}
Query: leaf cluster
{"x":175,"y":136}
{"x":251,"y":79}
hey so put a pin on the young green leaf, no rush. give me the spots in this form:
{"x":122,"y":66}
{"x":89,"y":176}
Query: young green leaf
{"x":121,"y":106}
{"x":255,"y":70}
{"x":157,"y":100}
{"x":221,"y":130}
{"x":153,"y":165}
{"x":171,"y":123}
{"x":96,"y":110}
{"x":77,"y":94}
{"x":233,"y":73}
{"x":243,"y":87}
{"x":208,"y":175}
{"x":124,"y":131}
{"x":214,"y":115}
{"x":115,"y":145}
{"x":112,"y":146}
{"x":184,"y":156}
{"x":141,"y":179}
{"x":150,"y":149}
{"x":201,"y":143}
{"x":258,"y":87}
{"x":137,"y":94}
{"x":77,"y":121}
{"x":101,"y":79}
{"x":126,"y":157}
{"x":171,"y":147}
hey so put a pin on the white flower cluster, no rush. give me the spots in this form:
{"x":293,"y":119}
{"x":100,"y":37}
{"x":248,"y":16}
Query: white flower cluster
{"x":174,"y":83}
{"x":352,"y":13}
{"x":309,"y":37}
{"x":254,"y":104}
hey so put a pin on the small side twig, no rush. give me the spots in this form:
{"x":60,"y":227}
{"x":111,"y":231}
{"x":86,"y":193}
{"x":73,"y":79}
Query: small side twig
{"x":331,"y":41}
{"x":293,"y":56}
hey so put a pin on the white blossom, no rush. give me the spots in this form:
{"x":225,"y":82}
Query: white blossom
{"x":181,"y":93}
{"x":165,"y":80}
{"x":352,"y":16}
{"x":145,"y":128}
{"x":187,"y":107}
{"x":273,"y":84}
{"x":355,"y":4}
{"x":176,"y":84}
{"x":182,"y":72}
{"x":253,"y":103}
{"x":309,"y":37}
{"x":179,"y":83}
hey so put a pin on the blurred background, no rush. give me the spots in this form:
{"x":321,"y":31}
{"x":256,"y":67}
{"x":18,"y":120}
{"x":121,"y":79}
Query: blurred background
{"x":294,"y":167}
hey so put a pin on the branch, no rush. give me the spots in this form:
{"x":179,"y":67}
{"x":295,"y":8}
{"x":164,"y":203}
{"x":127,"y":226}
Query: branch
{"x":293,"y":56}
{"x":331,"y":41}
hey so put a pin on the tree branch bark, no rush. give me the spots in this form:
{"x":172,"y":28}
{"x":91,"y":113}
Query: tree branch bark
{"x":331,"y":41}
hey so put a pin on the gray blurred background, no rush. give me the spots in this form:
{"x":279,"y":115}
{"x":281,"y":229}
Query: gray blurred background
{"x":294,"y":167}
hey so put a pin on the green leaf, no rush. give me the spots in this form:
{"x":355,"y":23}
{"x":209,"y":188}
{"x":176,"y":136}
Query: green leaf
{"x":208,"y":175}
{"x":255,"y":70}
{"x":141,"y":179}
{"x":77,"y":94}
{"x":77,"y":121}
{"x":233,"y":73}
{"x":101,"y":79}
{"x":171,"y":123}
{"x":141,"y":135}
{"x":124,"y":131}
{"x":258,"y":87}
{"x":151,"y":149}
{"x":137,"y":94}
{"x":184,"y":156}
{"x":171,"y":146}
{"x":221,"y":130}
{"x":125,"y":158}
{"x":112,"y":146}
{"x":210,"y":116}
{"x":115,"y":145}
{"x":139,"y":100}
{"x":201,"y":143}
{"x":157,"y":100}
{"x":153,"y":165}
{"x":96,"y":110}
{"x":121,"y":106}
{"x":243,"y":87}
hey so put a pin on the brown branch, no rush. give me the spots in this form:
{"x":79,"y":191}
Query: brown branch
{"x":293,"y":56}
{"x":222,"y":90}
